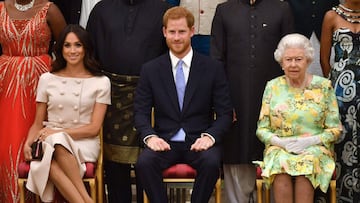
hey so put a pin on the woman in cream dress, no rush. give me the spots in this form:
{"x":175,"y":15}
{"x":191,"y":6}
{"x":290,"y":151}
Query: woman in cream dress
{"x":71,"y":104}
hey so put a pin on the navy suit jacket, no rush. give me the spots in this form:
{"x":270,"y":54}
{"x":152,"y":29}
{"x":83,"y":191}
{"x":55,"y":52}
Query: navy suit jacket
{"x":206,"y":93}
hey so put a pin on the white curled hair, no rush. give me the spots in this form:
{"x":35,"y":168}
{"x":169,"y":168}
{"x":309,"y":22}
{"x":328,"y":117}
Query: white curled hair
{"x":294,"y":40}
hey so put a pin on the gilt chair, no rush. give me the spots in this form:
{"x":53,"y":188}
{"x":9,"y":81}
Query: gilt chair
{"x":183,"y":175}
{"x":93,"y":177}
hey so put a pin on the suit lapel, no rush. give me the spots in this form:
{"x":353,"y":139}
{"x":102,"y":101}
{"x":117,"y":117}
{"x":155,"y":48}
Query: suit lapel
{"x":193,"y":80}
{"x":167,"y":78}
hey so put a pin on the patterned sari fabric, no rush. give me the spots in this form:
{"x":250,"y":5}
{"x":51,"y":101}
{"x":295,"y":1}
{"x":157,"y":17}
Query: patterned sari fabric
{"x":345,"y":77}
{"x":293,"y":112}
{"x":25,"y":44}
{"x":121,"y":140}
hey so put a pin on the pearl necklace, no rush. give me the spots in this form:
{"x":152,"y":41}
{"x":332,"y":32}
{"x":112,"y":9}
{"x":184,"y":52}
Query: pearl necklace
{"x":25,"y":7}
{"x":347,"y":16}
{"x":348,"y":9}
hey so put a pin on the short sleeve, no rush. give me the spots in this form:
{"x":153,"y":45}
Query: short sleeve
{"x":41,"y":95}
{"x":104,"y":91}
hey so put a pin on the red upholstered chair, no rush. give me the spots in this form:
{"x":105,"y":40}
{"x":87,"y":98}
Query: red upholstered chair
{"x":93,"y":177}
{"x":259,"y":188}
{"x":183,"y":173}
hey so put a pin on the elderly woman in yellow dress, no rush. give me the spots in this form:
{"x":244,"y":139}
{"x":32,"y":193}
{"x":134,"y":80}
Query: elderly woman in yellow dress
{"x":299,"y":123}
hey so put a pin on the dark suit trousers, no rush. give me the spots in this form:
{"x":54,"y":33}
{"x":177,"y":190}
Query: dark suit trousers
{"x":207,"y":163}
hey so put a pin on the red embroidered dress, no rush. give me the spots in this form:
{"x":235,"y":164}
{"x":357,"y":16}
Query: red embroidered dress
{"x":25,"y":45}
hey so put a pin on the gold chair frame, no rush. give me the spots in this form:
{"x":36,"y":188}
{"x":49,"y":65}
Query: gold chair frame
{"x":191,"y":180}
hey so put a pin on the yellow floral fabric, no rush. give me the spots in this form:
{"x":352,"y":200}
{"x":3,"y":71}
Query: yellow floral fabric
{"x":293,"y":112}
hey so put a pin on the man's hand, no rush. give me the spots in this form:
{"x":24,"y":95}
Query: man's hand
{"x":202,"y":144}
{"x":157,"y":144}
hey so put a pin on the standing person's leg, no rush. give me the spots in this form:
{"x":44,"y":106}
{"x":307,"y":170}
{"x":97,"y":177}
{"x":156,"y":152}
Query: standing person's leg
{"x":239,"y":182}
{"x":118,"y":180}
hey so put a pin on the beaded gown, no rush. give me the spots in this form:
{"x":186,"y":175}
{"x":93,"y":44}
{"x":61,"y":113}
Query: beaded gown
{"x":345,"y":77}
{"x":25,"y":46}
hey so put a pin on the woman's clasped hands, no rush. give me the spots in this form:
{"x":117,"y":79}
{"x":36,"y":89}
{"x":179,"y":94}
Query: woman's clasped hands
{"x":293,"y":144}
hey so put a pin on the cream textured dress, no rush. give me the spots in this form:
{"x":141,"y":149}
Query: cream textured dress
{"x":70,"y":104}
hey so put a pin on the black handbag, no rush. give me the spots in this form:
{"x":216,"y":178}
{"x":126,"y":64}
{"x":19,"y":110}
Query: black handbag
{"x":36,"y":150}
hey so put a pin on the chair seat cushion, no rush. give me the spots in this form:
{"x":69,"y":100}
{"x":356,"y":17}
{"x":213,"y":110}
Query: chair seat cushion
{"x":179,"y":171}
{"x":258,"y":172}
{"x":24,"y":167}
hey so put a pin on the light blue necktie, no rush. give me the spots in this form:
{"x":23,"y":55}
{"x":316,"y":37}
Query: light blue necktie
{"x":180,"y":83}
{"x":180,"y":88}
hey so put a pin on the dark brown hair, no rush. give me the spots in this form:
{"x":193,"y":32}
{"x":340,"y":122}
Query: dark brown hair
{"x":90,"y":62}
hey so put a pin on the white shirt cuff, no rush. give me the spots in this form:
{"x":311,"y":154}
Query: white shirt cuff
{"x":147,"y":137}
{"x":210,"y":136}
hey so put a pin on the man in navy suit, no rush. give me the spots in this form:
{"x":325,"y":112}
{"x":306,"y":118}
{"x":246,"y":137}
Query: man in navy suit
{"x":206,"y":94}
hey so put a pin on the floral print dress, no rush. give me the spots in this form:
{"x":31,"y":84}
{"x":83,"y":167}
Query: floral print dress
{"x":294,"y":112}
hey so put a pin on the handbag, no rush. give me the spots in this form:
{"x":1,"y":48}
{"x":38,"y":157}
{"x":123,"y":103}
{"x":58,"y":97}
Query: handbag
{"x":36,"y":150}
